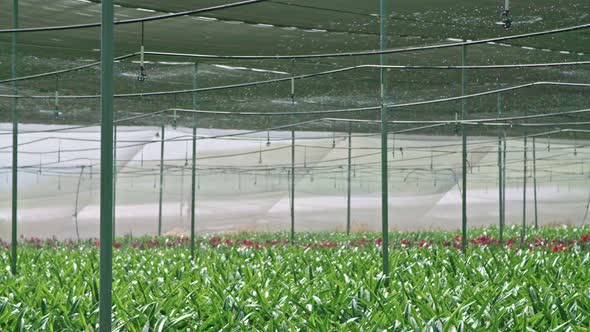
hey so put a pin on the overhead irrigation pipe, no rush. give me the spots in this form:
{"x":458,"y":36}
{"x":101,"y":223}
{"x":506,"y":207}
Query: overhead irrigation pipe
{"x":426,"y":102}
{"x":428,"y":124}
{"x":136,"y":20}
{"x":75,"y":167}
{"x":64,"y":71}
{"x":473,"y":121}
{"x":467,"y":123}
{"x":318,"y":74}
{"x":373,"y":52}
{"x":487,"y":121}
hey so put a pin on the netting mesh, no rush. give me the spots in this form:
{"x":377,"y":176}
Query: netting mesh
{"x":243,"y":181}
{"x":521,"y":103}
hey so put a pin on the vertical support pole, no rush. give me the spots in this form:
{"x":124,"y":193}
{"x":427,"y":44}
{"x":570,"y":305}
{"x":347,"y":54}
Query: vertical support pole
{"x":14,"y":239}
{"x":535,"y":182}
{"x":292,"y":186}
{"x":161,"y":183}
{"x":292,"y":174}
{"x":500,"y":180}
{"x":114,"y":178}
{"x":194,"y":161}
{"x":349,"y":178}
{"x":504,"y":179}
{"x":464,"y":145}
{"x":106,"y":165}
{"x":384,"y":167}
{"x":293,"y":81}
{"x":524,"y":175}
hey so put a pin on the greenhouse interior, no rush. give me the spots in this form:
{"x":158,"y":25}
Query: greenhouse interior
{"x":289,"y":165}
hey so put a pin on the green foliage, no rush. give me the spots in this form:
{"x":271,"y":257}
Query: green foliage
{"x":304,"y":287}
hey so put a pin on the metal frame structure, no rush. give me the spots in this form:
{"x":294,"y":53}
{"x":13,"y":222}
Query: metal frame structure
{"x":108,"y":140}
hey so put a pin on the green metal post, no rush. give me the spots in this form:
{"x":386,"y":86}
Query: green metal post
{"x":535,"y":182}
{"x":384,"y":167}
{"x":504,"y":179}
{"x":106,"y":165}
{"x":161,"y":183}
{"x":194,"y":162}
{"x":292,"y":177}
{"x":500,"y":180}
{"x":349,"y":178}
{"x":524,"y":175}
{"x":464,"y":141}
{"x":14,"y":140}
{"x":114,"y":178}
{"x":292,"y":186}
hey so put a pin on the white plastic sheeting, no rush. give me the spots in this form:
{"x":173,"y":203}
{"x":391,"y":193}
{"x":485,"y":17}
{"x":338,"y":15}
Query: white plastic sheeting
{"x":243,"y":183}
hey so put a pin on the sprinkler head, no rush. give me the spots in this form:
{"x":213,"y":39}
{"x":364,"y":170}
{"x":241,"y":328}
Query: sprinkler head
{"x":506,"y":20}
{"x":142,"y":74}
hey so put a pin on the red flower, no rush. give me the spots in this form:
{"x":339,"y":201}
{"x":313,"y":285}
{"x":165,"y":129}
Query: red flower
{"x":483,"y":240}
{"x":423,"y":243}
{"x":458,"y":238}
{"x":117,"y":245}
{"x":228,"y":242}
{"x":585,"y":238}
{"x":97,"y":243}
{"x":379,"y":241}
{"x":247,"y":243}
{"x":215,"y":241}
{"x":406,"y":243}
{"x":559,"y":247}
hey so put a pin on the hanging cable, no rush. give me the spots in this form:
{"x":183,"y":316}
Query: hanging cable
{"x":137,"y":20}
{"x":56,"y":111}
{"x":142,"y":74}
{"x":333,"y":134}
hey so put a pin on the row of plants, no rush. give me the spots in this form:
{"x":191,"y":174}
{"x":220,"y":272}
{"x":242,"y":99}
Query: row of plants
{"x":334,"y":240}
{"x":235,"y":286}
